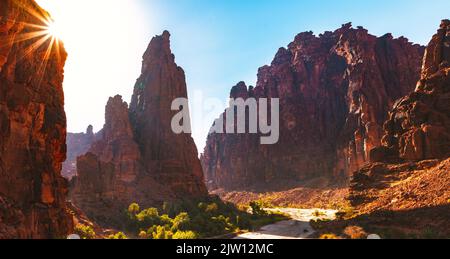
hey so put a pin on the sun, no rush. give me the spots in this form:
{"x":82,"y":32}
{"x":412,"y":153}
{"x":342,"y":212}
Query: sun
{"x":54,"y":29}
{"x":104,"y":41}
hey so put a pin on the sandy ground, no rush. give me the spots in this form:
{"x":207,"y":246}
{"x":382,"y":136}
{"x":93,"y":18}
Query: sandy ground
{"x":296,"y":228}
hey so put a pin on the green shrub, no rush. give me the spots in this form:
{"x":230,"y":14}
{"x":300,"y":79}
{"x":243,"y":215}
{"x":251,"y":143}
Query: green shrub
{"x":134,"y":209}
{"x":185,"y":235}
{"x":257,"y":208}
{"x":162,"y":233}
{"x":212,"y":208}
{"x":118,"y":235}
{"x":149,"y":217}
{"x":318,"y":214}
{"x":85,"y":232}
{"x":195,"y":219}
{"x":355,"y":232}
{"x":143,"y":235}
{"x":346,"y":212}
{"x":182,"y":222}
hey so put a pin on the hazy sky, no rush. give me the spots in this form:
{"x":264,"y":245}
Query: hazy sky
{"x":217,"y":42}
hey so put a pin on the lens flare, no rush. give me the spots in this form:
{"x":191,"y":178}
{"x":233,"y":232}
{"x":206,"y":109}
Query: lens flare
{"x":42,"y":33}
{"x":53,"y":29}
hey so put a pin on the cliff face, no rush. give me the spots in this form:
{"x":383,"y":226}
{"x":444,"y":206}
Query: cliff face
{"x":418,"y":127}
{"x":77,"y":144}
{"x":32,"y":126}
{"x":172,"y":158}
{"x":335,"y":92}
{"x":137,"y":157}
{"x":409,"y":175}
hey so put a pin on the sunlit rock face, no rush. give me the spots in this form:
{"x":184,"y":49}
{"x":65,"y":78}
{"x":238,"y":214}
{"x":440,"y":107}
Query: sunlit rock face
{"x":418,"y":127}
{"x":137,"y":157}
{"x":32,"y":126}
{"x":411,"y":171}
{"x":335,"y":92}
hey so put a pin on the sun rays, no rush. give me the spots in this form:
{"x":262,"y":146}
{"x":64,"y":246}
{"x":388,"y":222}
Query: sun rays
{"x":39,"y":38}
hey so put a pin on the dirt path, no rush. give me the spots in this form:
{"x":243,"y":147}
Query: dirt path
{"x":296,"y":228}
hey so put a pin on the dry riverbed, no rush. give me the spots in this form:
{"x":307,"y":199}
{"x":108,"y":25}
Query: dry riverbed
{"x":297,"y":227}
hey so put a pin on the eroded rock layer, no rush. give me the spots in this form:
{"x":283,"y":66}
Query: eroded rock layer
{"x":137,"y":157}
{"x":335,"y":92}
{"x":32,"y":126}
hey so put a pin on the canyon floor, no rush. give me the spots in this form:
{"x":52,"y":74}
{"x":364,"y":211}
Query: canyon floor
{"x":298,"y":227}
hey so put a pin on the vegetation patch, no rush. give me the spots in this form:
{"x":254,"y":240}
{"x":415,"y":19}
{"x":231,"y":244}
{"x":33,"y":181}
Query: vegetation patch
{"x":193,"y":220}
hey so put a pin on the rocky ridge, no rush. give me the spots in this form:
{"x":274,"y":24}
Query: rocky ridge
{"x":335,"y":92}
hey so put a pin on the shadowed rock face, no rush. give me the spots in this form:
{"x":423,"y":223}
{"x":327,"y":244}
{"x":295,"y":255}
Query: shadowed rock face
{"x":137,"y":157}
{"x":418,"y":127}
{"x":77,"y":144}
{"x":335,"y":92}
{"x":32,"y":128}
{"x":172,"y":158}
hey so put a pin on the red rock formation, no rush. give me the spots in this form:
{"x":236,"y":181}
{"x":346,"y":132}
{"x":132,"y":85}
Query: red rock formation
{"x":32,"y":127}
{"x":77,"y":144}
{"x":418,"y":128}
{"x":172,"y":158}
{"x":409,"y":175}
{"x":137,"y":157}
{"x":335,"y":92}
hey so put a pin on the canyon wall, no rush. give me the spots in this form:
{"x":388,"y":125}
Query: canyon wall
{"x":137,"y":157}
{"x":77,"y":144}
{"x":32,"y":126}
{"x":418,"y":127}
{"x":409,"y":174}
{"x":335,"y":92}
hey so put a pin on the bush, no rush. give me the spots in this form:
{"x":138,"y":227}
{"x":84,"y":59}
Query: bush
{"x":257,"y":208}
{"x":85,"y":232}
{"x":212,"y":208}
{"x":223,"y":223}
{"x":143,"y":235}
{"x":161,"y":233}
{"x":345,"y":213}
{"x":134,"y":209}
{"x":182,"y":222}
{"x":194,"y":219}
{"x":329,"y":236}
{"x":355,"y":232}
{"x":118,"y":235}
{"x":318,"y":214}
{"x":149,"y":217}
{"x":185,"y":235}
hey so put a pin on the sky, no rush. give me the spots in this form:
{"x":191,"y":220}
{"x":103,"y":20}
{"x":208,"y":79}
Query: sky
{"x":217,"y":42}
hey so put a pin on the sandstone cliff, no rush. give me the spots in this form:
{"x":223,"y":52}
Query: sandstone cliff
{"x":418,"y":127}
{"x":77,"y":144}
{"x":32,"y":126}
{"x":406,"y":187}
{"x":172,"y":158}
{"x":335,"y":92}
{"x":417,"y":130}
{"x":137,"y":157}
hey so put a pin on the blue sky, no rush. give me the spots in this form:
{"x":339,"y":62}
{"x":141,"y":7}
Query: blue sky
{"x":217,"y":42}
{"x":221,"y":42}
